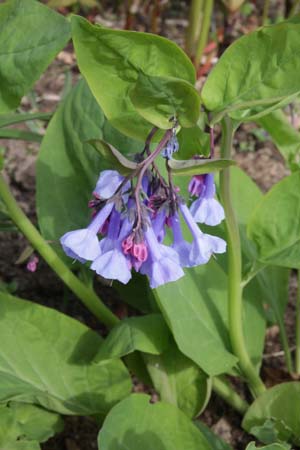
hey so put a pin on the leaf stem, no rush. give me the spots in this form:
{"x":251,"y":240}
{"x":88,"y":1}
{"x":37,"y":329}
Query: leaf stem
{"x":193,"y":28}
{"x":223,"y":389}
{"x":235,"y":309}
{"x":202,"y":41}
{"x":297,"y":351}
{"x":87,"y":296}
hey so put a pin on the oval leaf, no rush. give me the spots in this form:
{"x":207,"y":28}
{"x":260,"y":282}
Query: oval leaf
{"x":30,"y":36}
{"x":112,"y":60}
{"x":46,"y":359}
{"x":256,"y":73}
{"x":136,"y":424}
{"x":280,"y":404}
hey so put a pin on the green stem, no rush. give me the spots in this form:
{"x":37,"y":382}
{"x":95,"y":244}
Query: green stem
{"x":86,"y":295}
{"x":235,"y":309}
{"x":297,"y":352}
{"x":265,"y":14}
{"x":224,"y":390}
{"x":193,"y":28}
{"x":202,"y":41}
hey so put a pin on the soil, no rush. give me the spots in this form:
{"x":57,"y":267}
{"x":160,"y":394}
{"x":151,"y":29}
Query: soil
{"x":261,"y":160}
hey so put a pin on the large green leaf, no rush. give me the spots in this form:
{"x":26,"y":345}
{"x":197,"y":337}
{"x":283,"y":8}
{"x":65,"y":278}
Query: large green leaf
{"x":30,"y":36}
{"x":281,"y":405}
{"x":147,"y":334}
{"x":136,"y":424}
{"x":28,"y":423}
{"x":256,"y":74}
{"x":274,"y":225}
{"x":284,"y":135}
{"x":46,"y":359}
{"x":179,"y":381}
{"x":195,"y":308}
{"x":68,"y":167}
{"x":159,"y":99}
{"x":112,"y":61}
{"x":137,"y":293}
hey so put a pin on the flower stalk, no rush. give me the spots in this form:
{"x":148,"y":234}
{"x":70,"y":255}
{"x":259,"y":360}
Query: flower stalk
{"x":87,"y":296}
{"x":235,"y":306}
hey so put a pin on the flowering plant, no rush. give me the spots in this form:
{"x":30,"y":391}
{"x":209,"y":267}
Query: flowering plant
{"x":133,"y":142}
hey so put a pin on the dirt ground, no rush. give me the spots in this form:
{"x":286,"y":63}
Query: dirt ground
{"x":260,"y":160}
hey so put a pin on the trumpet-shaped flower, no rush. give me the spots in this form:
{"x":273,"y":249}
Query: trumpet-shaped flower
{"x":83,"y":244}
{"x":111,"y":262}
{"x":206,"y":209}
{"x":203,"y":245}
{"x":108,"y":182}
{"x":181,"y":246}
{"x":162,"y":265}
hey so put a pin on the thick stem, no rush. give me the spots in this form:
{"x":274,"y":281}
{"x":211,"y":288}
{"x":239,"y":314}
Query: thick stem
{"x":235,"y":269}
{"x":85,"y":294}
{"x":193,"y":28}
{"x":297,"y":351}
{"x":223,"y":388}
{"x":265,"y":14}
{"x":202,"y":41}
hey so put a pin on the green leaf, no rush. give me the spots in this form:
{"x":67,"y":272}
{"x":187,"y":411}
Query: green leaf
{"x":274,"y":224}
{"x":136,"y":424}
{"x":137,"y":293}
{"x":46,"y":359}
{"x":68,"y":167}
{"x":192,"y":141}
{"x":252,"y":446}
{"x":257,"y":73}
{"x":159,"y":99}
{"x":147,"y":334}
{"x":283,"y":134}
{"x":198,"y":166}
{"x":112,"y":61}
{"x":281,"y":405}
{"x":179,"y":381}
{"x":30,"y":36}
{"x":195,"y":307}
{"x":113,"y":158}
{"x":18,"y":420}
{"x":215,"y":441}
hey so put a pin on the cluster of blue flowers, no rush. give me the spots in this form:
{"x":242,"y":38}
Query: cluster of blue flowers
{"x":130,"y":221}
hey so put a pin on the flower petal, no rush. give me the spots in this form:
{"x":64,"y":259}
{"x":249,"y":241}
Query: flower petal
{"x":112,"y":265}
{"x":81,"y":244}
